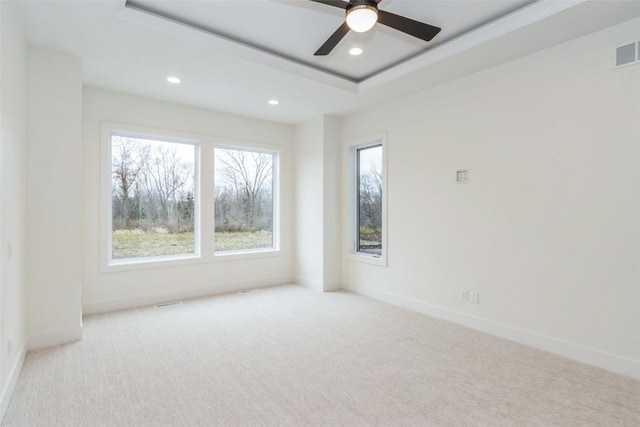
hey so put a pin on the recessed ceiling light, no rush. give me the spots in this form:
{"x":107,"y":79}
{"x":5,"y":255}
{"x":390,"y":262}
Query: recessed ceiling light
{"x":274,"y":102}
{"x":173,"y":79}
{"x":355,"y":51}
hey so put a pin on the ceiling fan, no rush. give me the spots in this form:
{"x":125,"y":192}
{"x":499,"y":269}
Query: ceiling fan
{"x":362,"y":15}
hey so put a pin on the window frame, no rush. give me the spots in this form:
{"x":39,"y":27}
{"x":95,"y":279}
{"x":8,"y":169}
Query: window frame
{"x":204,"y":204}
{"x":353,"y":202}
{"x":106,"y":202}
{"x":275,"y":195}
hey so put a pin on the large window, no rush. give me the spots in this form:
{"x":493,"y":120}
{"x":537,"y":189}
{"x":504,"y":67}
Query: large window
{"x":171,"y":198}
{"x":369,"y":189}
{"x":153,"y":197}
{"x":245,"y":199}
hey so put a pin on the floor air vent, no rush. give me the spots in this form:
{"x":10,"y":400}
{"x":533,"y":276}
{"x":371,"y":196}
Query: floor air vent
{"x":628,"y":54}
{"x":248,"y":291}
{"x":168,"y":304}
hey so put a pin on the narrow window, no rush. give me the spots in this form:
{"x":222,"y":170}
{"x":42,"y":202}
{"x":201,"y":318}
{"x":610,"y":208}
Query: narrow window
{"x":245,"y":200}
{"x":153,"y":191}
{"x":369,"y":197}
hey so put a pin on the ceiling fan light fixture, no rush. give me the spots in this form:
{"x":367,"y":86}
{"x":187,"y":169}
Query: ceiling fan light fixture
{"x":362,"y":18}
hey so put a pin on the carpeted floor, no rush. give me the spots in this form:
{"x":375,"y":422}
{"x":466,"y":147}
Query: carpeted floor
{"x":289,"y":356}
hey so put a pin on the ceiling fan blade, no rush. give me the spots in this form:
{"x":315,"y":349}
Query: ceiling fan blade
{"x":333,"y":41}
{"x":337,"y":3}
{"x":414,"y":28}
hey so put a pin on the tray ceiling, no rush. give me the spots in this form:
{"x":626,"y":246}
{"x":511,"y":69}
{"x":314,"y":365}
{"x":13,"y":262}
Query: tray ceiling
{"x":294,"y":30}
{"x":134,"y":51}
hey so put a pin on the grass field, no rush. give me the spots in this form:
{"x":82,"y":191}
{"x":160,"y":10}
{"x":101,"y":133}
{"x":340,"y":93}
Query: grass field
{"x":139,"y":244}
{"x":234,"y":241}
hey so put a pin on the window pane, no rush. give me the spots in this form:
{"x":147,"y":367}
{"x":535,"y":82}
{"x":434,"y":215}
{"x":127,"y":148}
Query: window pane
{"x":369,"y":176}
{"x":244,"y":197}
{"x":152,"y":198}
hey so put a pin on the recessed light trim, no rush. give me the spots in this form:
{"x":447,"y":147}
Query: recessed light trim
{"x":173,"y":79}
{"x":273,"y":102}
{"x":355,"y":51}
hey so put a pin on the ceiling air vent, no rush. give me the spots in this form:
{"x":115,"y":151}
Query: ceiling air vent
{"x":627,"y":54}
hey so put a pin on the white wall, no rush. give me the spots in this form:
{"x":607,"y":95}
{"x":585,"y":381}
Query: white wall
{"x":108,"y":290}
{"x":13,"y":142}
{"x":317,"y":195}
{"x":309,"y":172}
{"x":332,"y":227}
{"x":54,"y":197}
{"x":547,"y":229}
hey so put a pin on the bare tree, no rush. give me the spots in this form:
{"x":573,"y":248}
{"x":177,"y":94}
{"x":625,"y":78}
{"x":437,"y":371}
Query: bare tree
{"x":165,"y":176}
{"x":371,"y":195}
{"x":245,"y":178}
{"x":152,"y":185}
{"x":126,"y":169}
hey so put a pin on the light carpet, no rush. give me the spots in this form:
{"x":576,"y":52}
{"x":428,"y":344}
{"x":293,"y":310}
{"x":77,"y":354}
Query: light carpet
{"x":289,"y":356}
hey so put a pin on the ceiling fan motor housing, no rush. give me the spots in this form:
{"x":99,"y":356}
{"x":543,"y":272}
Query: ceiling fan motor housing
{"x":360,"y":3}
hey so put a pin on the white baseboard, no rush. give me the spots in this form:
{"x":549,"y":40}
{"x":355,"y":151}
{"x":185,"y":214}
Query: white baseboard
{"x":7,"y":392}
{"x":316,"y":285}
{"x":577,"y":352}
{"x":105,"y":306}
{"x":51,"y":338}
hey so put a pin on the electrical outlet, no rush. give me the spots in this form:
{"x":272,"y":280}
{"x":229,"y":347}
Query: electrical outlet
{"x":464,"y":295}
{"x":462,"y":177}
{"x":475,"y":297}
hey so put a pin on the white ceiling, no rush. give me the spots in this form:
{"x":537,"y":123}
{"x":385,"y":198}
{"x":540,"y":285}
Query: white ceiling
{"x":131,"y":50}
{"x":296,"y":29}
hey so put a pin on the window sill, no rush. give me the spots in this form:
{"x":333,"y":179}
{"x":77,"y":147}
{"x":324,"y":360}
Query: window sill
{"x":380,"y":261}
{"x":186,"y":260}
{"x":248,"y":254}
{"x":148,"y":263}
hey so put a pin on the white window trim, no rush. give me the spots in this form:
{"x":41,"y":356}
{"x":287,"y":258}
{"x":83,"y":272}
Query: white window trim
{"x":258,"y":148}
{"x":204,"y":204}
{"x":351,"y":237}
{"x":108,"y":264}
